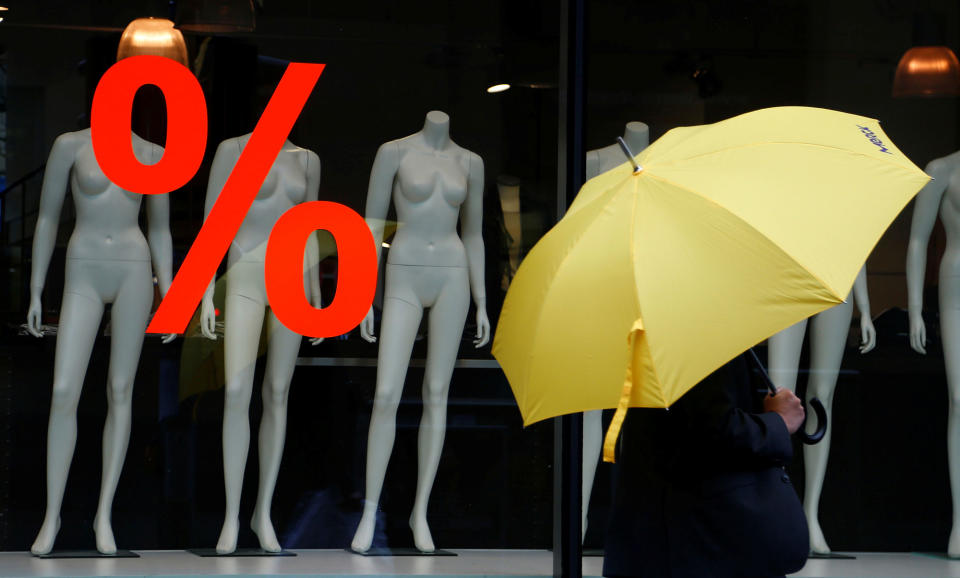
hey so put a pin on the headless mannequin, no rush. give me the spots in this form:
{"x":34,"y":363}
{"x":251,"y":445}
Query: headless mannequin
{"x":941,"y":195}
{"x":294,"y":178}
{"x":828,"y":337}
{"x":108,"y":261}
{"x":433,"y":182}
{"x":637,"y":137}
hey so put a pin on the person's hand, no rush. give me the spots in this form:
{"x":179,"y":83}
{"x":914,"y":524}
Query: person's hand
{"x":208,"y":319}
{"x":868,"y":334}
{"x":483,"y":328}
{"x":918,"y":333}
{"x":366,"y":327}
{"x":788,"y":406}
{"x":33,"y":317}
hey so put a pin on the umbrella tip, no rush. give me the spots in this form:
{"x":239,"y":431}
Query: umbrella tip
{"x":637,"y":169}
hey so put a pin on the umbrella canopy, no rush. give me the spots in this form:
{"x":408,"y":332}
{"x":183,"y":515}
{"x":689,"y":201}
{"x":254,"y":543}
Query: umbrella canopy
{"x":729,"y":233}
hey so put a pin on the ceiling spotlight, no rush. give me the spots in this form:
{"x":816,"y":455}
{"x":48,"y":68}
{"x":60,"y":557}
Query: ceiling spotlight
{"x":498,"y":88}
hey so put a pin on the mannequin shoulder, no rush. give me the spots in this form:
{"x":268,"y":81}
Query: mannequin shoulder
{"x":391,"y":152}
{"x":73,"y":140}
{"x":592,"y":163}
{"x":231,"y":147}
{"x":469,"y":159}
{"x":309,"y":160}
{"x":475,"y":163}
{"x":944,"y":165}
{"x":66,"y":147}
{"x":146,"y":150}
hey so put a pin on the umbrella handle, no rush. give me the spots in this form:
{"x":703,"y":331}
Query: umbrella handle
{"x":815,"y":437}
{"x":815,"y":403}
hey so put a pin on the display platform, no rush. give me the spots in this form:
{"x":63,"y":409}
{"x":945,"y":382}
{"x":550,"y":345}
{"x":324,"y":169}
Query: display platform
{"x":335,"y":563}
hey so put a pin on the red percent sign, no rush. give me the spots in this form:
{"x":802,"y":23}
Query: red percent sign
{"x":110,"y":130}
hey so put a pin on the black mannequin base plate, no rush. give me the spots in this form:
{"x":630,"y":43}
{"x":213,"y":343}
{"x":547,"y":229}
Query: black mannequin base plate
{"x":239,"y":553}
{"x":88,"y":554}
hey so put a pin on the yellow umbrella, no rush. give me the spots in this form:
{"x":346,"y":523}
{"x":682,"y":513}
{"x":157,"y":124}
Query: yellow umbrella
{"x":729,"y":233}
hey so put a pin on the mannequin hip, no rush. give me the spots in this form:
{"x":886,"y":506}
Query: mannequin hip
{"x":424,"y":285}
{"x":105,"y":280}
{"x":246,"y":278}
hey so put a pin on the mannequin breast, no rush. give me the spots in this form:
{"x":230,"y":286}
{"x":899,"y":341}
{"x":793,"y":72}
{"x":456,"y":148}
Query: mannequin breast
{"x":428,"y":190}
{"x":107,"y":223}
{"x":284,"y":187}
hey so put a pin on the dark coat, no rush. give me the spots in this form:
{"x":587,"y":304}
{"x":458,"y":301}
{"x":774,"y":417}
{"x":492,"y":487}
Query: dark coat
{"x":701,"y":490}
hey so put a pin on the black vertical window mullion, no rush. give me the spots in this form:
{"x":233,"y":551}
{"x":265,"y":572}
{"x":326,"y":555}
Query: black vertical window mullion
{"x":568,"y":430}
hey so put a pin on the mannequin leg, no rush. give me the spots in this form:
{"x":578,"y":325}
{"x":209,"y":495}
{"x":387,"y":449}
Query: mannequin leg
{"x":592,"y":444}
{"x":783,"y":355}
{"x":950,"y":332}
{"x":828,"y":338}
{"x":447,"y":317}
{"x":401,"y":319}
{"x":79,"y":320}
{"x":129,"y":315}
{"x":281,"y":359}
{"x":244,"y":320}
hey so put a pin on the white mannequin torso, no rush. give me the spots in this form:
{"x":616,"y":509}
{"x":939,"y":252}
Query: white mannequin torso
{"x":429,"y":188}
{"x":284,"y":187}
{"x":107,"y":224}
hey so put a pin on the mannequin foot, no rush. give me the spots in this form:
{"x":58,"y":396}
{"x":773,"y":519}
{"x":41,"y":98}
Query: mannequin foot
{"x":953,"y":547}
{"x":46,"y":537}
{"x":818,"y":543}
{"x":363,"y":538}
{"x":227,"y":543}
{"x":263,"y":528}
{"x":422,"y":538}
{"x":104,"y":533}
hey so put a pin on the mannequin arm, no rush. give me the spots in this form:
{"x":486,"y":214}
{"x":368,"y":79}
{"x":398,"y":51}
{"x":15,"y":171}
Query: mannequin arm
{"x":471,"y":228}
{"x":158,"y":234}
{"x":868,"y":334}
{"x":56,"y":177}
{"x":159,"y":239}
{"x":385,"y":167}
{"x":223,"y":162}
{"x":925,"y":210}
{"x":312,"y":254}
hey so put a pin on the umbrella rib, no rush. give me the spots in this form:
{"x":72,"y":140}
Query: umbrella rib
{"x":605,"y":199}
{"x":736,"y":216}
{"x":652,"y":163}
{"x":633,"y":259}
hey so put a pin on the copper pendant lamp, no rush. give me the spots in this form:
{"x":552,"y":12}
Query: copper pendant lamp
{"x":153,"y":36}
